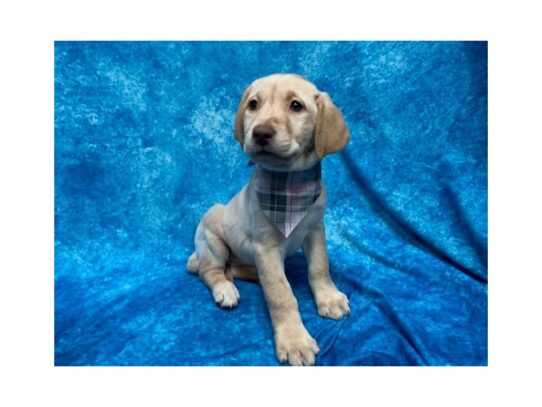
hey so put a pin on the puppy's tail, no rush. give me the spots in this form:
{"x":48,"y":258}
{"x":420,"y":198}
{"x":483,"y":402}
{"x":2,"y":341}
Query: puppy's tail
{"x":192,"y":265}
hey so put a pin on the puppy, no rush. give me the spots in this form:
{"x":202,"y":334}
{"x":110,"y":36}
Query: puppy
{"x":286,"y":126}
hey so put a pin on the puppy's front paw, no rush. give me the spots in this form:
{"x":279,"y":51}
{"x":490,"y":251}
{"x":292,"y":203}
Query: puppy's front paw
{"x":295,"y":346}
{"x":226,"y":294}
{"x":332,"y":304}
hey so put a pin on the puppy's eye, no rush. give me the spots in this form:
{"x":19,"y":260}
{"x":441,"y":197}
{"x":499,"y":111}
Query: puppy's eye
{"x":296,"y":106}
{"x":253,"y":104}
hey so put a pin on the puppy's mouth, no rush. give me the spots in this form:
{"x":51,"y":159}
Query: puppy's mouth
{"x":272,"y":156}
{"x":265,"y":153}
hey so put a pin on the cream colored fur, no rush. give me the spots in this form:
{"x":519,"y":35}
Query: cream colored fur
{"x":237,"y":240}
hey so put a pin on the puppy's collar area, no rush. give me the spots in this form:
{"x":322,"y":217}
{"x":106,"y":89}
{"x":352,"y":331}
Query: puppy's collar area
{"x":286,"y":196}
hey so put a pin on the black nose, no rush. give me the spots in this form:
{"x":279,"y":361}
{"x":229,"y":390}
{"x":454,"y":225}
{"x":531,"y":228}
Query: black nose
{"x":262,"y":133}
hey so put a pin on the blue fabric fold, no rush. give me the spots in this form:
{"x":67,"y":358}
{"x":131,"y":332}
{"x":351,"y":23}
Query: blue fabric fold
{"x":144,"y":146}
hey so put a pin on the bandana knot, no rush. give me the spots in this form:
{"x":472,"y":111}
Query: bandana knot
{"x":286,"y":197}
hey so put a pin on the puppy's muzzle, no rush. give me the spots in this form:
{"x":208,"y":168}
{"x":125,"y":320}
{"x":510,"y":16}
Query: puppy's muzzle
{"x":262,"y":134}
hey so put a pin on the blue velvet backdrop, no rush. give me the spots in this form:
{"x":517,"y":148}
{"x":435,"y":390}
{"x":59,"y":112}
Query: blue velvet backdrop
{"x":144,"y":145}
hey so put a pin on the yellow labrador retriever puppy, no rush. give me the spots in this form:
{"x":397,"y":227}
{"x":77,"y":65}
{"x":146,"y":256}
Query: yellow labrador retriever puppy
{"x":285,"y":126}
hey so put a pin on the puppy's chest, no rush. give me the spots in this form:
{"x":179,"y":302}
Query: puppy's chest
{"x":295,"y":240}
{"x":265,"y":230}
{"x":286,"y":197}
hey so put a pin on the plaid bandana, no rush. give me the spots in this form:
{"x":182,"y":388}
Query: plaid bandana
{"x":285,"y":197}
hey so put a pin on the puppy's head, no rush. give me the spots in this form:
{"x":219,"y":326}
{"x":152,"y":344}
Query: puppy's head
{"x":285,"y":123}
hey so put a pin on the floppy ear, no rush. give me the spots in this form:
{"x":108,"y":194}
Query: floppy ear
{"x":330,"y":132}
{"x":239,"y":127}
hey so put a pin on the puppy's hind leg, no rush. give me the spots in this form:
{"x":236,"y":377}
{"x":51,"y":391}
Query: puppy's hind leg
{"x":192,"y":265}
{"x":242,"y":272}
{"x":211,"y":272}
{"x":211,"y":255}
